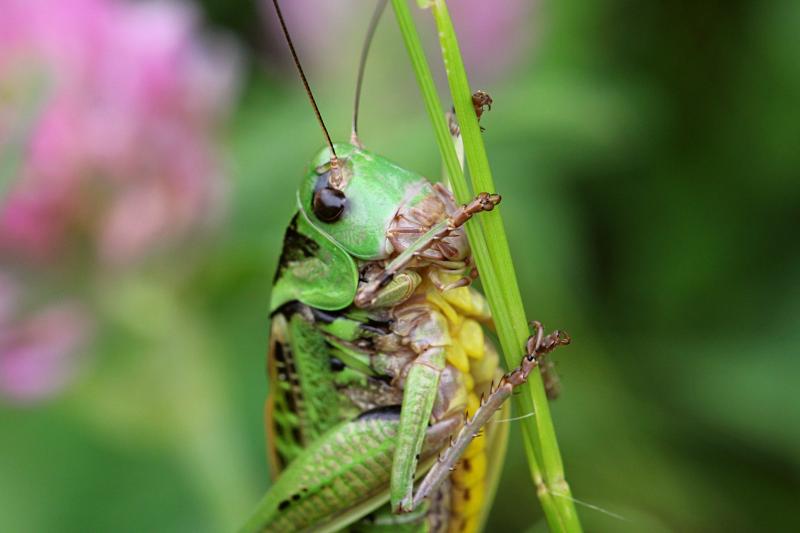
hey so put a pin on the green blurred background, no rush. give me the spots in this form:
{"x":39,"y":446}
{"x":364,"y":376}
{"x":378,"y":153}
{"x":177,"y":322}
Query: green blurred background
{"x":648,"y":157}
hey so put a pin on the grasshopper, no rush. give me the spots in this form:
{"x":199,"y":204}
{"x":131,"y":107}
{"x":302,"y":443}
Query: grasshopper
{"x":380,"y":374}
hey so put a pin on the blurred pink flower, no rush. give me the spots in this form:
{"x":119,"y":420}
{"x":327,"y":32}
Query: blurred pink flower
{"x":492,"y":35}
{"x":113,"y":108}
{"x":38,"y":351}
{"x":108,"y":116}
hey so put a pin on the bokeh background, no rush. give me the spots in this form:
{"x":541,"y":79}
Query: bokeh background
{"x":149,"y":152}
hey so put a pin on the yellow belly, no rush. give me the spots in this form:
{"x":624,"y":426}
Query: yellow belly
{"x":475,"y":357}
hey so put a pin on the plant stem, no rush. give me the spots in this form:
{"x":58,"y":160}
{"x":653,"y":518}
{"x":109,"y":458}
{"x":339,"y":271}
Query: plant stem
{"x":492,"y":256}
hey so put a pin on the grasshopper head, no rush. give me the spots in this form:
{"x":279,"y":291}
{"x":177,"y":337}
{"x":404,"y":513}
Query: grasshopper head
{"x":356,"y":203}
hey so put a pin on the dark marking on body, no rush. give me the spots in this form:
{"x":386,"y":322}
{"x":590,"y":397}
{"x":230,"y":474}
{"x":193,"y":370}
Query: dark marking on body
{"x":337,"y":365}
{"x":296,"y":247}
{"x":297,"y":435}
{"x":366,"y":344}
{"x":380,"y":327}
{"x":385,"y":281}
{"x":382,"y":378}
{"x":326,"y":317}
{"x":280,"y":357}
{"x":380,"y":413}
{"x":292,"y":308}
{"x":283,"y":505}
{"x":283,"y":358}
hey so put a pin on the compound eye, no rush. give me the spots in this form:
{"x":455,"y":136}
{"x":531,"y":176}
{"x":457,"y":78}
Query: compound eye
{"x":329,"y":204}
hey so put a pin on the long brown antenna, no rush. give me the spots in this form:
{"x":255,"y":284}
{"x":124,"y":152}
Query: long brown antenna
{"x":373,"y":24}
{"x":334,"y":159}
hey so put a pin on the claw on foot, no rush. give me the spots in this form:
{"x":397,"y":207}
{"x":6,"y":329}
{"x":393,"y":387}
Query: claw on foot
{"x":536,"y":348}
{"x":538,"y":344}
{"x":482,"y":102}
{"x":482,"y":202}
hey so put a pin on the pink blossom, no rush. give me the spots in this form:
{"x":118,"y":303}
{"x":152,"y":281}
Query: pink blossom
{"x":114,"y":107}
{"x":492,"y":35}
{"x":108,"y":116}
{"x":38,"y":351}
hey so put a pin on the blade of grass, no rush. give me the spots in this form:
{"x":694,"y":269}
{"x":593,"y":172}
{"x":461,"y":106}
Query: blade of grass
{"x":513,"y":328}
{"x":492,"y":256}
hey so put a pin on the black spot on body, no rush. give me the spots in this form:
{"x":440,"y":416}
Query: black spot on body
{"x":386,"y":280}
{"x":382,"y":378}
{"x":337,"y":365}
{"x":326,"y":317}
{"x":283,"y":505}
{"x":376,"y":326}
{"x":296,"y":247}
{"x":297,"y":435}
{"x":278,"y":353}
{"x":382,"y":412}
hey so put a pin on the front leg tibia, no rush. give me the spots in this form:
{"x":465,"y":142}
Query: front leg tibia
{"x":419,"y":394}
{"x":367,"y":293}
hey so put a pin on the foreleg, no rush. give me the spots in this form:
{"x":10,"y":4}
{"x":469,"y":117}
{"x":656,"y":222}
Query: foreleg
{"x":366,"y":294}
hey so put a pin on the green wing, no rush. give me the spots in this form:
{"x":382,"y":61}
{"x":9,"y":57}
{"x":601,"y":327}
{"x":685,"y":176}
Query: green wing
{"x":304,"y":398}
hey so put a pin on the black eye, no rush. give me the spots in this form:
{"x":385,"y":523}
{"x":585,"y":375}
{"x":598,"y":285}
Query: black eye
{"x":329,"y":204}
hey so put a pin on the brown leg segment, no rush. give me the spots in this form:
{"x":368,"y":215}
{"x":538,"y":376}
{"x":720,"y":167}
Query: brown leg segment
{"x":537,"y":347}
{"x":482,"y":202}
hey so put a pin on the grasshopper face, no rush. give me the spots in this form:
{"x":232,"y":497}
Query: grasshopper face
{"x":343,"y":224}
{"x":357,"y":210}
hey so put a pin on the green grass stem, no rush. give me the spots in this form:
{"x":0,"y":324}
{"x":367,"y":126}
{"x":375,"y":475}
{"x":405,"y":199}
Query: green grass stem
{"x":492,"y":255}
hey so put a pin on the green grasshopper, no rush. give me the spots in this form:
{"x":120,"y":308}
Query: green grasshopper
{"x":379,"y":371}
